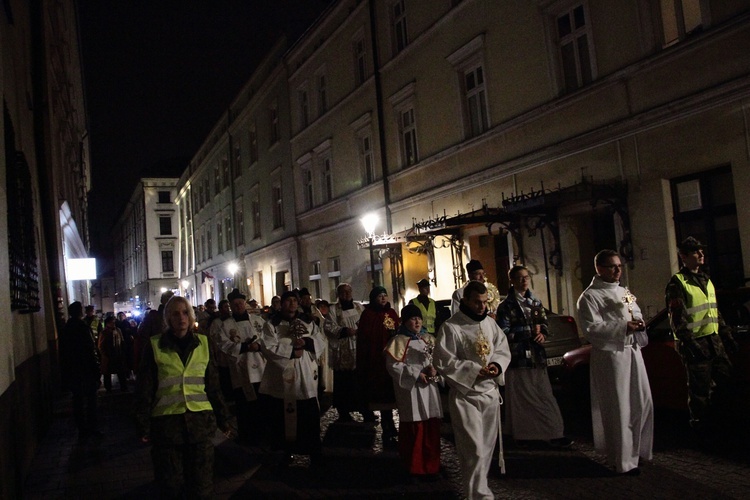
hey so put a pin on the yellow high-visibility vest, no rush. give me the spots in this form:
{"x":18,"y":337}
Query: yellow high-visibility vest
{"x":429,"y":314}
{"x":181,"y":387}
{"x":703,"y":314}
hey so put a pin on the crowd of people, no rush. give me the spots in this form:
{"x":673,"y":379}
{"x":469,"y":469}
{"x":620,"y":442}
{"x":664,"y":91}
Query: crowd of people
{"x":258,"y":373}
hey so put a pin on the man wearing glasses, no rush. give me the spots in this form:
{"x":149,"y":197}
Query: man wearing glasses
{"x":622,"y":411}
{"x":695,"y":322}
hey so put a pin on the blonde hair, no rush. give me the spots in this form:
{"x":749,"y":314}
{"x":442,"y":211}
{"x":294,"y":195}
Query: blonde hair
{"x":173,"y":304}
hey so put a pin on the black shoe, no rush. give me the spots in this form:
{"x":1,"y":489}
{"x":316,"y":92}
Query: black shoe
{"x":632,"y":472}
{"x":563,"y":442}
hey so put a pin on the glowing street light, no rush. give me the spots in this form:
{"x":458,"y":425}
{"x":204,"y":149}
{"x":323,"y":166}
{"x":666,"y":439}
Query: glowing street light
{"x":369,"y":222}
{"x":233,"y":268}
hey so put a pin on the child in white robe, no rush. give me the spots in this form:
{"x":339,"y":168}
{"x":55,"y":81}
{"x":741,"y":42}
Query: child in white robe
{"x":415,"y":383}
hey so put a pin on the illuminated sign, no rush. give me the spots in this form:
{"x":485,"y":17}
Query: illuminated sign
{"x":81,"y":269}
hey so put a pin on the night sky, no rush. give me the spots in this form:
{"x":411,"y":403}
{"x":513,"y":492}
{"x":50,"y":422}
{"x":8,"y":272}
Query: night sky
{"x":158,"y":75}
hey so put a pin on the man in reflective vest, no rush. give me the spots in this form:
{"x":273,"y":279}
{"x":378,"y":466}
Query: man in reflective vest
{"x":426,"y":306}
{"x":698,"y":329}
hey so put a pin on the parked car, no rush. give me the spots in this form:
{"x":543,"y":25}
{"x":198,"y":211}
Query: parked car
{"x":666,"y":372}
{"x":563,"y":336}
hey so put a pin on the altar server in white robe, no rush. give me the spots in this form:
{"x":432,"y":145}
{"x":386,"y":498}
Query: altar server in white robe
{"x":408,"y":359}
{"x":622,"y":411}
{"x":472,"y":354}
{"x":292,"y":348}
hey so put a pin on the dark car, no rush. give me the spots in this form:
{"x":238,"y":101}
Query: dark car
{"x":562,"y":336}
{"x":666,"y":373}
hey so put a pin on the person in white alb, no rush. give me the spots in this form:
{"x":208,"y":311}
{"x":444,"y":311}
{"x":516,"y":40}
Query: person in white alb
{"x":238,"y":337}
{"x":622,"y":411}
{"x":409,"y":356}
{"x":472,"y":355}
{"x":292,"y":348}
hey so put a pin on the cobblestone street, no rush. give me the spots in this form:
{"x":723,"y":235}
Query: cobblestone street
{"x":357,"y":465}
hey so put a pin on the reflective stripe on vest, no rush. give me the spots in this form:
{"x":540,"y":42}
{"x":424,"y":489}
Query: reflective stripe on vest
{"x":428,"y":314}
{"x":181,"y":387}
{"x":703,"y":314}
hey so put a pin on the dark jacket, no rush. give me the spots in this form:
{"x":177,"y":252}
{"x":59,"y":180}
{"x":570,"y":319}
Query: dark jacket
{"x":79,"y":358}
{"x":525,"y":353}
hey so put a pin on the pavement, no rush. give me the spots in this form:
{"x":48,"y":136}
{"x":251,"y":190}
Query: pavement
{"x":358,"y":465}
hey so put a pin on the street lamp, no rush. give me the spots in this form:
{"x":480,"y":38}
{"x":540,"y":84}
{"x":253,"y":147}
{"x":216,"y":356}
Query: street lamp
{"x":368,"y":222}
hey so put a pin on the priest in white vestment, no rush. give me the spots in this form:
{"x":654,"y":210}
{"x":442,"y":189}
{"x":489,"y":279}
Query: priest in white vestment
{"x":622,"y":411}
{"x":472,"y":355}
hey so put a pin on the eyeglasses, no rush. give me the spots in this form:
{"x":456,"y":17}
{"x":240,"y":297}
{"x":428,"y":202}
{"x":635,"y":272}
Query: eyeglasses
{"x":612,"y":266}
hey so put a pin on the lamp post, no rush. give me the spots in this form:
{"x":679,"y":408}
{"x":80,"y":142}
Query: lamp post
{"x":233,"y":268}
{"x":368,"y":222}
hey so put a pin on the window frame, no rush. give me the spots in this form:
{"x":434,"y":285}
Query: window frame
{"x":167,"y":257}
{"x":399,"y":26}
{"x":572,"y":39}
{"x":163,"y":226}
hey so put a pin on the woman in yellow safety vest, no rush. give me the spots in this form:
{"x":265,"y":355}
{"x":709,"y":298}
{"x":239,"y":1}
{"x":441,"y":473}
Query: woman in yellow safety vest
{"x":179,"y":404}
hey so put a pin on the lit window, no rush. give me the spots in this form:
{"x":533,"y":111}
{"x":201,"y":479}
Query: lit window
{"x":409,"y":137}
{"x":278,"y":206}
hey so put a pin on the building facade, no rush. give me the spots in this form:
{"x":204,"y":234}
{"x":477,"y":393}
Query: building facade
{"x":509,"y":132}
{"x":146,"y":243}
{"x":44,"y":160}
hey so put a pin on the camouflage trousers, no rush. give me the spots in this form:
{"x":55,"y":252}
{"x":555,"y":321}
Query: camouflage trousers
{"x":184,"y":470}
{"x":707,"y":378}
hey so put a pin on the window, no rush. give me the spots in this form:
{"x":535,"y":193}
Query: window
{"x":468,"y":62}
{"x":334,"y":277}
{"x":360,"y":60}
{"x":227,"y":229}
{"x":315,"y":278}
{"x":237,"y":161}
{"x":680,"y":18}
{"x":304,"y":108}
{"x":167,"y":261}
{"x":202,"y":247}
{"x":164,"y":197}
{"x":574,"y":35}
{"x":217,"y":179}
{"x":201,"y":195}
{"x":219,"y":236}
{"x":273,"y":123}
{"x":400,"y":38}
{"x":476,"y":101}
{"x":165,"y":225}
{"x":403,"y":106}
{"x":278,"y":205}
{"x":209,"y":244}
{"x":705,"y":207}
{"x":253,"y":143}
{"x":366,"y":158}
{"x":409,"y":137}
{"x":322,"y":95}
{"x":207,"y":187}
{"x":307,"y":186}
{"x":225,"y":176}
{"x":239,"y":222}
{"x":255,"y":211}
{"x":326,"y":172}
